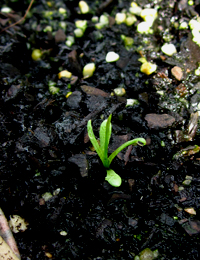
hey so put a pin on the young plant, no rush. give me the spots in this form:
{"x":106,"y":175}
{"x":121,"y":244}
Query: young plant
{"x":102,"y":149}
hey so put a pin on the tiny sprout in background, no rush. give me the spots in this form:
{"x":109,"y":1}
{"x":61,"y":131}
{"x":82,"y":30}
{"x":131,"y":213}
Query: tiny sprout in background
{"x":103,"y":22}
{"x":135,"y":9}
{"x":95,"y":19}
{"x":63,"y":25}
{"x":48,"y":28}
{"x":68,"y":94}
{"x":130,"y":102}
{"x":149,"y":15}
{"x":62,"y":10}
{"x":52,"y":87}
{"x":6,"y":10}
{"x":183,"y":25}
{"x":81,"y":26}
{"x":36,"y":54}
{"x":120,"y":18}
{"x":130,"y":19}
{"x":195,"y":30}
{"x":148,"y":68}
{"x":88,"y":70}
{"x":53,"y":90}
{"x":190,"y":2}
{"x":70,"y":41}
{"x":120,"y":91}
{"x":84,"y":8}
{"x":147,"y":254}
{"x":144,"y":28}
{"x":128,"y":41}
{"x":64,"y":74}
{"x":78,"y":33}
{"x":197,"y":71}
{"x":162,"y":143}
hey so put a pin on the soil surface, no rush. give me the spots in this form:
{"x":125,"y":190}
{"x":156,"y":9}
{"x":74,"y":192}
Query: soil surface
{"x":50,"y":174}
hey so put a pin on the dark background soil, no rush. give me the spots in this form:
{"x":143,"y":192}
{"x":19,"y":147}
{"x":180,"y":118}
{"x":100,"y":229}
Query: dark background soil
{"x":44,"y":145}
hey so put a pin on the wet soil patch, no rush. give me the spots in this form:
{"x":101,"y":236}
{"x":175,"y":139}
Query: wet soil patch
{"x":50,"y":174}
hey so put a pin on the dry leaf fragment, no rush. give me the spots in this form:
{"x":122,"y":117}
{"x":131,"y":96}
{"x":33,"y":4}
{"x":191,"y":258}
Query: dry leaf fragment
{"x":191,"y":211}
{"x":94,"y":91}
{"x":17,"y":224}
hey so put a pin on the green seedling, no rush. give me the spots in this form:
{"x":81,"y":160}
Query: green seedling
{"x":102,"y":149}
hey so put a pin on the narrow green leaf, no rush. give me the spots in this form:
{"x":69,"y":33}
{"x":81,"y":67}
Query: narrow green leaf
{"x":108,"y":130}
{"x":102,"y":134}
{"x":94,"y":140}
{"x":105,"y":134}
{"x":139,"y":141}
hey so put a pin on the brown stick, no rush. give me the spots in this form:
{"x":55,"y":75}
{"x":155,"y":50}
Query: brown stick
{"x":6,"y":234}
{"x":5,"y":251}
{"x":20,"y":20}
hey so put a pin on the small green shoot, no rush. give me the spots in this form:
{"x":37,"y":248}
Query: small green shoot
{"x":102,"y":149}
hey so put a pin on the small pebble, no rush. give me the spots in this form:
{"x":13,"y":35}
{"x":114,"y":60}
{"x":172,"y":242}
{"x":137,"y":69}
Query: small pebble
{"x":177,"y":72}
{"x":112,"y":56}
{"x":168,"y":49}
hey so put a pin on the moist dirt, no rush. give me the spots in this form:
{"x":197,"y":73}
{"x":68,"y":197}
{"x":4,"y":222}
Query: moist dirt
{"x":50,"y":174}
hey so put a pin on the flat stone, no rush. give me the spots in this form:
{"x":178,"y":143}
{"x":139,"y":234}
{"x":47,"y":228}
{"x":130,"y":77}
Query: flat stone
{"x":60,"y":36}
{"x":73,"y":101}
{"x":157,"y":121}
{"x":81,"y":161}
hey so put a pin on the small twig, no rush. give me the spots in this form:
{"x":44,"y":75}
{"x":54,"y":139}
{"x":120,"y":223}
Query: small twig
{"x":20,"y":20}
{"x":7,"y":236}
{"x":5,"y":252}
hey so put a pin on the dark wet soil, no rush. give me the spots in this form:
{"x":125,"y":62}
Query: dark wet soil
{"x":45,"y":148}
